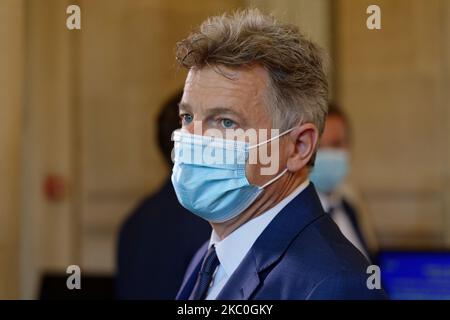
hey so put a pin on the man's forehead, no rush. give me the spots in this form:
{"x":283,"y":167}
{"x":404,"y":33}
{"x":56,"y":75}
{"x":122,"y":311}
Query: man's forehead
{"x":248,"y":81}
{"x":208,"y":90}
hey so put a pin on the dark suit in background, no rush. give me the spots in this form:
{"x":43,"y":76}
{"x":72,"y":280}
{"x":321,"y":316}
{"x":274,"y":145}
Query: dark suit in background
{"x":158,"y":239}
{"x":156,"y":244}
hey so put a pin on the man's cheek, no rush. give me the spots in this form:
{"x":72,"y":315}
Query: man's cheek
{"x":252,"y":172}
{"x":269,"y":158}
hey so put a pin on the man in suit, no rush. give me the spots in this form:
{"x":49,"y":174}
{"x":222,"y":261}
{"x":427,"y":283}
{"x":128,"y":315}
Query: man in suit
{"x":146,"y":269}
{"x":249,"y":75}
{"x":337,"y":196}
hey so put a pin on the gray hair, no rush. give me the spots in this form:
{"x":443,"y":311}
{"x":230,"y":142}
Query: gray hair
{"x":298,"y":86}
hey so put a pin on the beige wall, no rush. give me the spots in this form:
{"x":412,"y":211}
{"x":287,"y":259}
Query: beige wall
{"x":49,"y":227}
{"x":445,"y":97}
{"x":313,"y":17}
{"x":394,"y":84}
{"x":11,"y":86}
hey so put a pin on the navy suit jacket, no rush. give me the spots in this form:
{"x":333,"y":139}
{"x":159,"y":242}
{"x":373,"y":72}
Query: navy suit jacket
{"x":156,"y":243}
{"x":300,"y":255}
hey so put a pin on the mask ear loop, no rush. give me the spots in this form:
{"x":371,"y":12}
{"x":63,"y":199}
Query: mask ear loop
{"x":271,"y":139}
{"x":274,"y":179}
{"x":267,"y":141}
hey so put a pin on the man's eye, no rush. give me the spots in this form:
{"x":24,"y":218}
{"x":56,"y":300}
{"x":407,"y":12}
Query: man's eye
{"x":227,"y":123}
{"x":186,"y":118}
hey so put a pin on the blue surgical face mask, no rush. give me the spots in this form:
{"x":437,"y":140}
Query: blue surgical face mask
{"x":209,"y":175}
{"x":330,"y":169}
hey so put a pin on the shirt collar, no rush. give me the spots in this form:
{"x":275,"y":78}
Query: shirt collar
{"x":329,"y":201}
{"x":232,"y":250}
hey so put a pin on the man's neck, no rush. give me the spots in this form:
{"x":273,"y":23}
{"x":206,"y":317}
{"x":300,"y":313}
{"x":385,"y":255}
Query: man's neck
{"x":271,"y":196}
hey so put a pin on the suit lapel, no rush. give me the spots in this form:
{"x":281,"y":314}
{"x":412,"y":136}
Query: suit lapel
{"x":191,"y":274}
{"x":243,"y":281}
{"x":272,"y":243}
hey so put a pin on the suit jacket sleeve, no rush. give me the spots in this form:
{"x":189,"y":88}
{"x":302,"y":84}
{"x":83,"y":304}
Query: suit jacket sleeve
{"x":344,"y":285}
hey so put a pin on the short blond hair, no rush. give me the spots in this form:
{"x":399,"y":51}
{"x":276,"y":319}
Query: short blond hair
{"x":298,"y":86}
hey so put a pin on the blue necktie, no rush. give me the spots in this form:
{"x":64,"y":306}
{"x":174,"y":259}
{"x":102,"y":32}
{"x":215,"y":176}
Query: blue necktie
{"x":205,"y":275}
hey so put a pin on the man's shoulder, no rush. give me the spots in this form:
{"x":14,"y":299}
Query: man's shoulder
{"x":323,"y":244}
{"x":321,"y":263}
{"x":322,"y":239}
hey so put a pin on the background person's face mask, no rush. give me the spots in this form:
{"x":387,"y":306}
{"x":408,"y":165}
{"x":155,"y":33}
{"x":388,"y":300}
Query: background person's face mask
{"x":216,"y":191}
{"x":330,"y":169}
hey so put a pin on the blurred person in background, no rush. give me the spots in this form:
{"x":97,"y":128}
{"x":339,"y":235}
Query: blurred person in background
{"x":159,"y":238}
{"x":338,"y":198}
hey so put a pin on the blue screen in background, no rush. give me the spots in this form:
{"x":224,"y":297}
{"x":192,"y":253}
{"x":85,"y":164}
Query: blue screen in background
{"x":415,"y":275}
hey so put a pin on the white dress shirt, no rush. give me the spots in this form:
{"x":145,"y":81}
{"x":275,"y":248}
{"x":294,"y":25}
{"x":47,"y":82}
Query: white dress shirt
{"x":232,"y":250}
{"x":342,"y":220}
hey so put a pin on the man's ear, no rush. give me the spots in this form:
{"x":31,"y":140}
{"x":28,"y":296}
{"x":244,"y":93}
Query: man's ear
{"x":304,"y":141}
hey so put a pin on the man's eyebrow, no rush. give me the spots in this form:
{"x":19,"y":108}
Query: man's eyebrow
{"x":224,"y":110}
{"x":212,"y":111}
{"x":184,"y":106}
